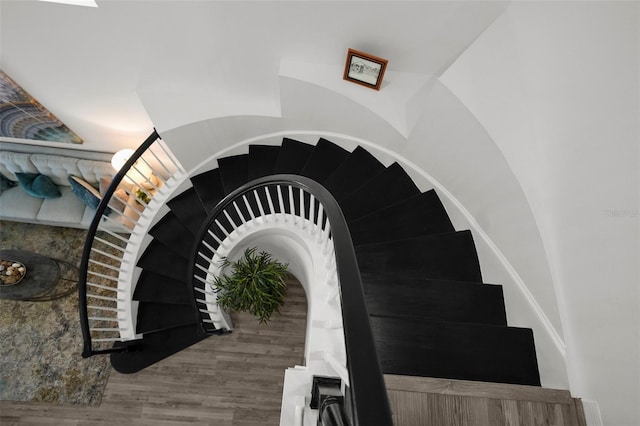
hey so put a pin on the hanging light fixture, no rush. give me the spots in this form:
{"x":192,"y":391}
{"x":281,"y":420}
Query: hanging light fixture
{"x":140,"y":173}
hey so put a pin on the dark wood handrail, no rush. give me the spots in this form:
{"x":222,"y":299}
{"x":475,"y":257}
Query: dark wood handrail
{"x":369,"y":400}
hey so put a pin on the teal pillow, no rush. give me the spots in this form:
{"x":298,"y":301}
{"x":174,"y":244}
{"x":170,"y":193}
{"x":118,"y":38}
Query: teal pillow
{"x":39,"y":186}
{"x":6,"y":183}
{"x":84,"y":191}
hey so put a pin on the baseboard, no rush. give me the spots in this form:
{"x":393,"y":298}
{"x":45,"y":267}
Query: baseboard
{"x":592,"y":413}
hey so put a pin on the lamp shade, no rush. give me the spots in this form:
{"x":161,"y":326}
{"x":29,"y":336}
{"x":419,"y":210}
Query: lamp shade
{"x":121,"y":157}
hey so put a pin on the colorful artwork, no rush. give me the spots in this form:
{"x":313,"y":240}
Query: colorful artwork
{"x":21,"y":116}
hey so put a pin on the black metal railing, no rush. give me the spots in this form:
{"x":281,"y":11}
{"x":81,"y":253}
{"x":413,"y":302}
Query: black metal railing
{"x":332,"y":413}
{"x":308,"y":204}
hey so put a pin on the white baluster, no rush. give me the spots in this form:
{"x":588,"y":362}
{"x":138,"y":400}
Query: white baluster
{"x":159,"y":161}
{"x":215,"y":237}
{"x":325,"y":236}
{"x":292,"y":205}
{"x":233,"y":224}
{"x":281,"y":203}
{"x":235,"y":206}
{"x":223,"y":229}
{"x":206,"y":258}
{"x":260,"y":207}
{"x":270,"y":201}
{"x":319,"y":223}
{"x":209,"y":247}
{"x":105,"y":254}
{"x":170,"y":156}
{"x":104,"y":265}
{"x":104,"y":287}
{"x":304,"y":221}
{"x":312,"y":208}
{"x":106,"y":277}
{"x":246,"y":203}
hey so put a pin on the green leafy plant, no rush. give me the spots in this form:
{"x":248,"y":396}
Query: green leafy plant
{"x":143,"y":196}
{"x":255,"y":285}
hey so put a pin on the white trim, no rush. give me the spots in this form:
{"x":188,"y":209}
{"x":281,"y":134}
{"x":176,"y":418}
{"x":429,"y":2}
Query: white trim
{"x":61,"y":145}
{"x":592,"y":413}
{"x":86,"y":3}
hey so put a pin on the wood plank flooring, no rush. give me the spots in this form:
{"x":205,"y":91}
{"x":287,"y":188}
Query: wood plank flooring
{"x":236,"y":380}
{"x":232,"y":380}
{"x":443,"y":402}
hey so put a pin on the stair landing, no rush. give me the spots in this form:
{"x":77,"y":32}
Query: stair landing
{"x":432,"y":401}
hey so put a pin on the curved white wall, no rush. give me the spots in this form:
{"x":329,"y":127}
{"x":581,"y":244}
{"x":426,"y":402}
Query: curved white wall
{"x":552,"y":184}
{"x":556,"y":86}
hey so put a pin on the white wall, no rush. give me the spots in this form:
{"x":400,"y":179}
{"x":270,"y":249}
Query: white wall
{"x":80,"y":66}
{"x":112,"y":72}
{"x":556,"y":86}
{"x":449,"y":144}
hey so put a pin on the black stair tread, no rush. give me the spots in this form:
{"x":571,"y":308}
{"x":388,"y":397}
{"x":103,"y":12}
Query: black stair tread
{"x":154,"y":316}
{"x":456,"y":350}
{"x":233,"y":171}
{"x":152,"y":287}
{"x":383,"y":190}
{"x":262,"y":160}
{"x":422,"y":214}
{"x":171,"y":232}
{"x":188,"y":209}
{"x":448,"y":256}
{"x":293,"y":156}
{"x":324,"y":159}
{"x":155,"y":347}
{"x":444,"y":300}
{"x":357,"y":169}
{"x":161,"y":260}
{"x":208,"y":186}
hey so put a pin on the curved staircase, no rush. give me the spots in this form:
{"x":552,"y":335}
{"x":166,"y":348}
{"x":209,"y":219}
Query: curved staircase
{"x":430,"y":313}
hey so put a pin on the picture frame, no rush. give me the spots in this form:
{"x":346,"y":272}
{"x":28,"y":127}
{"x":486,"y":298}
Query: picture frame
{"x":364,"y":69}
{"x":23,"y":117}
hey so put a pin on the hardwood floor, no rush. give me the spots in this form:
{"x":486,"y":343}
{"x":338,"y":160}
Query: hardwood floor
{"x":236,"y":380}
{"x":233,"y":380}
{"x":443,"y":402}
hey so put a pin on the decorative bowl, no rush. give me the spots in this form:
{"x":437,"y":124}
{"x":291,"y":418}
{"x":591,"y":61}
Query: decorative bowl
{"x":11,"y":272}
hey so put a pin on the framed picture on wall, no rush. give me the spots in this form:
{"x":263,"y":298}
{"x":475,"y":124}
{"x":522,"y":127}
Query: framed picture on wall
{"x":23,"y":117}
{"x":365,"y":69}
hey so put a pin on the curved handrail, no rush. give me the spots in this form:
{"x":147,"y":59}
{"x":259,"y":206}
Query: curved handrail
{"x":101,"y":210}
{"x":369,"y":400}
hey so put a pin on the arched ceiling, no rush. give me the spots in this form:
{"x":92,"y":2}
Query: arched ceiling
{"x":98,"y":69}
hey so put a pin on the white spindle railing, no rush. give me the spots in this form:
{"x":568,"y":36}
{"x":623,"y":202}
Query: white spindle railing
{"x":105,"y":297}
{"x":340,"y":337}
{"x":279,"y":204}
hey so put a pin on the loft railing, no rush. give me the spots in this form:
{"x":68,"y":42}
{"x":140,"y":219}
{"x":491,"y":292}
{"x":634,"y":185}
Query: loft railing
{"x":104,"y":297}
{"x":306,"y":204}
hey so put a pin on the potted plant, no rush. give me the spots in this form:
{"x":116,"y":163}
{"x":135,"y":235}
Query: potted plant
{"x":256,"y":285}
